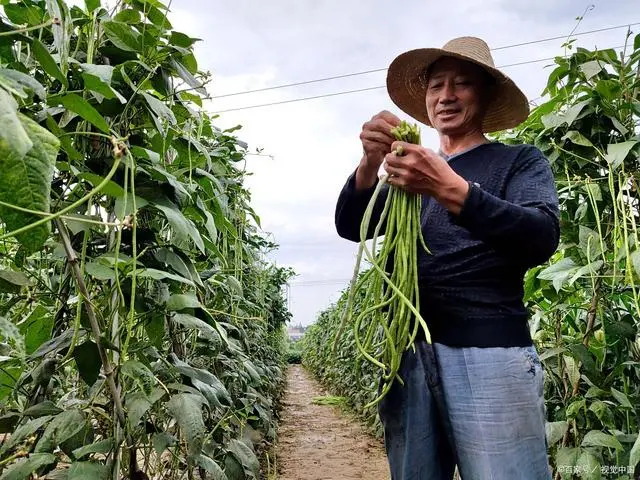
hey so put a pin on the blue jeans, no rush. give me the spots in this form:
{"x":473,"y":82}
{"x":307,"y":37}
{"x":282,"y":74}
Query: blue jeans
{"x":495,"y":405}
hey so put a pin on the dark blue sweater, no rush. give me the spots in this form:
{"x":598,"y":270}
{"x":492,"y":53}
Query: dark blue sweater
{"x":471,"y":285}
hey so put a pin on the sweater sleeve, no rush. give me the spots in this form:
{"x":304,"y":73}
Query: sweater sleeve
{"x":525,"y":224}
{"x":351,"y":207}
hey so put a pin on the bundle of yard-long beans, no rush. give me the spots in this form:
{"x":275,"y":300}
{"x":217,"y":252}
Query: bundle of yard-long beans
{"x":392,"y":305}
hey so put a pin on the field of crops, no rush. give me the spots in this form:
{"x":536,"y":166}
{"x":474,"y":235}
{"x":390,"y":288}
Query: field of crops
{"x":141,"y":329}
{"x":585,"y":303}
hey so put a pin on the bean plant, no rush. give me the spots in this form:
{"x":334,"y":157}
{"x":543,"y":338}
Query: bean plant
{"x":141,"y":326}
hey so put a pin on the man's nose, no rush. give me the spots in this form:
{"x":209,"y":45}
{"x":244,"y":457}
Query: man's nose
{"x":448,"y":93}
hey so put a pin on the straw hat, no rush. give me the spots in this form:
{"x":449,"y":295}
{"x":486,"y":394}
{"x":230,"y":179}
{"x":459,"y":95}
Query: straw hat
{"x":407,"y":85}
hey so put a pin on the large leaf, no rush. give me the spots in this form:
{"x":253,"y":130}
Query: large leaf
{"x":23,"y":470}
{"x":211,"y":467}
{"x":62,"y":427}
{"x":183,"y":228}
{"x":12,"y":282}
{"x":246,"y":457}
{"x":617,"y":152}
{"x":161,"y":275}
{"x":22,"y":433}
{"x":588,"y":466}
{"x":123,"y":36}
{"x":140,"y":374}
{"x":36,"y":328}
{"x":181,"y":301}
{"x":634,"y":456}
{"x":596,"y":438}
{"x":621,"y":398}
{"x":13,"y":137}
{"x":160,"y":109}
{"x":88,"y":470}
{"x":189,"y":321}
{"x":79,"y":105}
{"x":186,"y":408}
{"x":26,"y":181}
{"x":47,"y":62}
{"x":559,"y":272}
{"x":20,"y":83}
{"x":88,"y":360}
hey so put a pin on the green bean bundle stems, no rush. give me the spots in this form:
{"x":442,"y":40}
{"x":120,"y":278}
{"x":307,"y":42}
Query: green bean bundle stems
{"x":389,"y":319}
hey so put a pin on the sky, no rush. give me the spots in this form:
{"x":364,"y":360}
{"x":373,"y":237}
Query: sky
{"x":311,"y":147}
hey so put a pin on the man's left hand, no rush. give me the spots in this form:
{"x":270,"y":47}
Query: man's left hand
{"x":422,"y":171}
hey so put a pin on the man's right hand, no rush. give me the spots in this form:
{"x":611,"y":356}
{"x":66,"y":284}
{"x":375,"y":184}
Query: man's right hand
{"x":376,"y":140}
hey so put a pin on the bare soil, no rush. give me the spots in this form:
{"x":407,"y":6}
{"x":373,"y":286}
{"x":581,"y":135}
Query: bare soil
{"x":319,"y":442}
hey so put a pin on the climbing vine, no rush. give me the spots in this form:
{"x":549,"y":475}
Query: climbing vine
{"x":141,"y":326}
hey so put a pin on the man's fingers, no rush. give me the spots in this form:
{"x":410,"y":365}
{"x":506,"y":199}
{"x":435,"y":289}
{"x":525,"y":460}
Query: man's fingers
{"x":376,"y":136}
{"x":388,"y":117}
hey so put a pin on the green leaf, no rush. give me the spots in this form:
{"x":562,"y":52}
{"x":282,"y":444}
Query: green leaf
{"x":622,"y":399}
{"x":86,"y":470}
{"x":101,"y":446}
{"x":47,"y":62}
{"x":111,"y":188}
{"x":100,"y":271}
{"x":559,"y":272}
{"x":567,"y":458}
{"x":88,"y":361}
{"x":62,"y":427}
{"x":591,"y":69}
{"x":246,"y":457}
{"x":596,"y":438}
{"x":36,"y":328}
{"x":603,"y":412}
{"x":140,"y":374}
{"x":634,"y":456}
{"x":186,"y":409}
{"x":573,"y":371}
{"x":124,"y":205}
{"x":617,"y":152}
{"x":103,"y":72}
{"x":160,"y":275}
{"x":46,"y":408}
{"x":26,"y":182}
{"x":92,"y":5}
{"x":12,"y":282}
{"x":33,"y":464}
{"x":79,"y":105}
{"x":23,"y":14}
{"x":128,"y":15}
{"x":22,"y":433}
{"x":588,"y":466}
{"x":13,"y":137}
{"x":182,"y":226}
{"x":163,"y":440}
{"x":189,"y":321}
{"x":577,"y":138}
{"x":160,"y":109}
{"x":177,"y":263}
{"x":211,"y":467}
{"x":123,"y":36}
{"x":594,"y":190}
{"x":188,"y":77}
{"x":138,"y":404}
{"x":100,"y":89}
{"x":181,"y":301}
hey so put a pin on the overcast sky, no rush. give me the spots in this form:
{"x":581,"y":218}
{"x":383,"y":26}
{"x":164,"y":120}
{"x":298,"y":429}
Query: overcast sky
{"x":249,"y":44}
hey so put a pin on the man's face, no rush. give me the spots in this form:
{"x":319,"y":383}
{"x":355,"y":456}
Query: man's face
{"x":456,"y":96}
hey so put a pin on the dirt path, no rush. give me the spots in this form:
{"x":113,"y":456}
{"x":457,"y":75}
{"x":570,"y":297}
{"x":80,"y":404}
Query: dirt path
{"x":319,"y":443}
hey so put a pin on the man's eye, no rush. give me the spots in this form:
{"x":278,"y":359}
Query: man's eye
{"x":436,"y":85}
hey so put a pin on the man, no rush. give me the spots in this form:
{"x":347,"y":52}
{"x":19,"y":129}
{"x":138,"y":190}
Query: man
{"x":490,"y":212}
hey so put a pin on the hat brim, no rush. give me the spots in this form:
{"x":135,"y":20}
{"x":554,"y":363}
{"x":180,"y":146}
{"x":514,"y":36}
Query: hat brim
{"x":407,"y":88}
